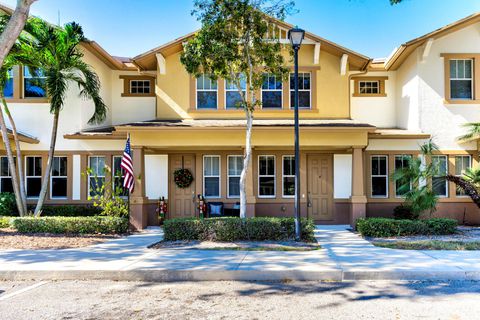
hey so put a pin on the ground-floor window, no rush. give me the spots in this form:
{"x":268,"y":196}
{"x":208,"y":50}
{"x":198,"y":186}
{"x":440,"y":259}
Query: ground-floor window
{"x":58,"y":178}
{"x":288,"y":176}
{"x":462,"y":163}
{"x":379,"y":177}
{"x":235,"y":167}
{"x":211,"y":176}
{"x":96,"y":176}
{"x":401,"y":186}
{"x":5,"y":176}
{"x":439,"y":183}
{"x":117,"y":176}
{"x":33,"y":176}
{"x":266,"y":176}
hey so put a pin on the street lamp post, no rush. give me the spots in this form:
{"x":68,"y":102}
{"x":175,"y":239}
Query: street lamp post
{"x":296,"y":37}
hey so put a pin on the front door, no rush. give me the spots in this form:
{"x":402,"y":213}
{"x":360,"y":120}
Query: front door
{"x":320,"y":187}
{"x":182,"y":200}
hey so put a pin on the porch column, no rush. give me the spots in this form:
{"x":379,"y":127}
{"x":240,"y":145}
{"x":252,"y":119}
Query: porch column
{"x":358,"y":199}
{"x":138,"y":200}
{"x":250,"y":190}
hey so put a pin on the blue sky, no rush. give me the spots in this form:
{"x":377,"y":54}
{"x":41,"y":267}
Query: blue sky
{"x":370,"y":27}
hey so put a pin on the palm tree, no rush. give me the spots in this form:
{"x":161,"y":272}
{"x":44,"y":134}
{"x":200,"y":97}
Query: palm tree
{"x":55,"y":52}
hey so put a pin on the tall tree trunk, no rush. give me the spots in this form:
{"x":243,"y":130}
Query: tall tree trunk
{"x":11,"y":162}
{"x":246,"y":162}
{"x":467,"y":187}
{"x":48,"y":169}
{"x":14,"y":27}
{"x":20,"y":172}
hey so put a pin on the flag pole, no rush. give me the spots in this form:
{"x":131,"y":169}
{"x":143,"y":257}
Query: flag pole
{"x":128,"y":196}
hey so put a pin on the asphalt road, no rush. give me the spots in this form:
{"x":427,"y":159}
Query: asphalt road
{"x":240,"y":300}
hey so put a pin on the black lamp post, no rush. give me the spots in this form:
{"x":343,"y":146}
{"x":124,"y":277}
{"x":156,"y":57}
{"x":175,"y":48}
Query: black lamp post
{"x":296,"y":37}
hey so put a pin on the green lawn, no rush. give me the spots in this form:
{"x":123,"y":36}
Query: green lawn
{"x":429,"y":245}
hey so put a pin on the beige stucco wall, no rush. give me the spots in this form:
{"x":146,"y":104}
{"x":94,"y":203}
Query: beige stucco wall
{"x":173,"y":91}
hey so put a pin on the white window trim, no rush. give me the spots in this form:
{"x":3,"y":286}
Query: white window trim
{"x":53,"y":177}
{"x":231,"y":90}
{"x":219,"y":176}
{"x":98,"y":176}
{"x":379,"y":175}
{"x":301,"y":90}
{"x":24,"y":86}
{"x":233,"y":176}
{"x":286,"y":176}
{"x":457,"y":79}
{"x":394,"y":168}
{"x":274,"y":177}
{"x":469,"y":165}
{"x":369,"y":81}
{"x":26,"y":176}
{"x":208,"y":90}
{"x":8,"y":171}
{"x":113,"y":174}
{"x":272,"y":90}
{"x":142,"y":80}
{"x":446,"y":172}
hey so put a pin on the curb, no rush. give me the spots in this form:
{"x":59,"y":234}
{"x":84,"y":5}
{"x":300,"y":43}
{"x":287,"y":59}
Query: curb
{"x":153,"y":275}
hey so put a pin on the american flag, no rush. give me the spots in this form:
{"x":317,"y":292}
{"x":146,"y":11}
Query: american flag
{"x":127,"y":166}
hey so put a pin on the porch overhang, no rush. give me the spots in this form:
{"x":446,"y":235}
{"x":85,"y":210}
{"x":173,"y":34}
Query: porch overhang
{"x":231,"y":133}
{"x":105,"y":133}
{"x":394,"y":133}
{"x":22,"y":137}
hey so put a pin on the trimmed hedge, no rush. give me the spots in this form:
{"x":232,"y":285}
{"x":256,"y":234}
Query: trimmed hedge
{"x":235,"y":229}
{"x":70,"y":211}
{"x":71,"y":225}
{"x":384,"y":227}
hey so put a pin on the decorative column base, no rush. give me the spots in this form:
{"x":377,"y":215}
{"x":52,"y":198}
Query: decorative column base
{"x":138,"y":213}
{"x":358,"y":208}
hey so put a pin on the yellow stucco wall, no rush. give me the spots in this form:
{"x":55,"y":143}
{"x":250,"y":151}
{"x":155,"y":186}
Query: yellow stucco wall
{"x":331,"y":91}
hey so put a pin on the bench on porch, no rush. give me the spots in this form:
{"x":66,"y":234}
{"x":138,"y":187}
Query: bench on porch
{"x":217,"y":209}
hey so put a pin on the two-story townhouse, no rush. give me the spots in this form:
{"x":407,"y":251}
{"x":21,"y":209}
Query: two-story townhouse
{"x":359,"y":119}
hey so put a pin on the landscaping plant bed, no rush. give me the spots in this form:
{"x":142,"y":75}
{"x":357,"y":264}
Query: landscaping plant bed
{"x":238,"y":245}
{"x":11,"y":239}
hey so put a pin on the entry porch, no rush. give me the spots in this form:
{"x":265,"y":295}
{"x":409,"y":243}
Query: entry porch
{"x":331,"y":169}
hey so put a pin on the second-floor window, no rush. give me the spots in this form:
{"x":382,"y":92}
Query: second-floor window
{"x":232,"y":96}
{"x":369,"y":87}
{"x":304,"y":90}
{"x":206,"y":92}
{"x":140,"y":86}
{"x":461,"y":79}
{"x":33,"y":84}
{"x":271,"y":92}
{"x":8,"y":89}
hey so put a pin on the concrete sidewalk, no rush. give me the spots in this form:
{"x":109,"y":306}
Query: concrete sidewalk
{"x":345,"y":256}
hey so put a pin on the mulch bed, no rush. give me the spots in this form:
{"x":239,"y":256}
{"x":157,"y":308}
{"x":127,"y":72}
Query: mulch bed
{"x":238,"y":245}
{"x":11,"y":239}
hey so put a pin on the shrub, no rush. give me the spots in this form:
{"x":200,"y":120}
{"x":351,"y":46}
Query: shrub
{"x":8,"y":205}
{"x":70,"y":211}
{"x":4,"y":222}
{"x":404,"y":212}
{"x":71,"y":225}
{"x":383,"y":227}
{"x":235,"y":229}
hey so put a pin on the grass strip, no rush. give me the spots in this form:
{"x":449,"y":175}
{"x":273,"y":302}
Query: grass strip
{"x":429,"y":245}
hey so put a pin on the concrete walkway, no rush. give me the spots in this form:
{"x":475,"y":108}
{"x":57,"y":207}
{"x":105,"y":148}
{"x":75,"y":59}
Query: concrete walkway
{"x":345,"y":256}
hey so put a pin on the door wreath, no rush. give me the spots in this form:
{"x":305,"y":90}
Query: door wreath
{"x":183,"y":178}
